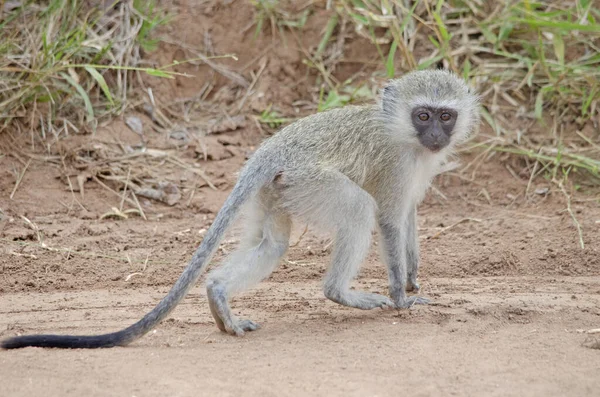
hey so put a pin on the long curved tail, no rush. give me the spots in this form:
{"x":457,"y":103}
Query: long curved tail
{"x":251,"y":179}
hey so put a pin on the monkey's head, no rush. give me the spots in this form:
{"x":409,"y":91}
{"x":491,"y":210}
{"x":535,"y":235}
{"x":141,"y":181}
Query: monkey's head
{"x":432,"y":109}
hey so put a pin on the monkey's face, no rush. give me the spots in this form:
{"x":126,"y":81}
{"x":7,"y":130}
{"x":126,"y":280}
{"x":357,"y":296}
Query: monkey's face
{"x":434,"y":126}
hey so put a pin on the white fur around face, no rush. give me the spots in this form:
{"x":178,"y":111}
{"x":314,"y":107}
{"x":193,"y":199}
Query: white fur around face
{"x":435,"y":88}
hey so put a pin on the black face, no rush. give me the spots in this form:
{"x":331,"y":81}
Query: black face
{"x":434,"y":126}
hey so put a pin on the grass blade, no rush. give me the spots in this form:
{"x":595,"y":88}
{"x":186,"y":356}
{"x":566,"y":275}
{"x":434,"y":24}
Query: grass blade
{"x":86,"y":99}
{"x":101,"y":82}
{"x":389,"y":64}
{"x":331,"y":24}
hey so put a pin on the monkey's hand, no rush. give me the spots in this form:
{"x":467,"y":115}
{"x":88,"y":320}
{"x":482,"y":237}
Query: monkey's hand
{"x":406,"y":302}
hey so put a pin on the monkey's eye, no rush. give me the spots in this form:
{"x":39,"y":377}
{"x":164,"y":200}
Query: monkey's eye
{"x":423,"y":116}
{"x":445,"y":117}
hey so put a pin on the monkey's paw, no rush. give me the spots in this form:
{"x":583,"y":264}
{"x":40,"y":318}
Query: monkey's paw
{"x":369,"y":301}
{"x":239,"y":328}
{"x":359,"y":299}
{"x":410,"y":301}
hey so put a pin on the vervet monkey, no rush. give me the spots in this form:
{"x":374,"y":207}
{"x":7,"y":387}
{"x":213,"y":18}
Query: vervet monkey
{"x":347,"y":170}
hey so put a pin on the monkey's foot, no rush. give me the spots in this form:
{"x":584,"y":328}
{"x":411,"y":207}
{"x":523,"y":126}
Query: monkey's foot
{"x":410,"y":301}
{"x":225,"y":320}
{"x":360,"y":300}
{"x":240,"y":327}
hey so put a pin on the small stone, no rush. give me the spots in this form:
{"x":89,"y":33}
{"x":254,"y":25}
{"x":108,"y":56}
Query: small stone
{"x":135,"y":124}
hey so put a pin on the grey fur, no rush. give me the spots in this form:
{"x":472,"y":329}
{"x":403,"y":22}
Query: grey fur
{"x":347,"y":170}
{"x":412,"y":251}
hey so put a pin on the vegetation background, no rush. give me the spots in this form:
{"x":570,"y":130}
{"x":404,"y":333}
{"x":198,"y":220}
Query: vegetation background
{"x":69,"y":66}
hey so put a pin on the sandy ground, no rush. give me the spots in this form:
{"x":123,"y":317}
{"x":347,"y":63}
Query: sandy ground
{"x":512,"y":292}
{"x":482,"y":337}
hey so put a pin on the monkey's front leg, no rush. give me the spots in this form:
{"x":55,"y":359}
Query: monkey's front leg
{"x":412,"y":251}
{"x":396,"y":248}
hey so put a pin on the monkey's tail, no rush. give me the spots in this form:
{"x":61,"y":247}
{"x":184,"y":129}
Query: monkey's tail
{"x":255,"y":175}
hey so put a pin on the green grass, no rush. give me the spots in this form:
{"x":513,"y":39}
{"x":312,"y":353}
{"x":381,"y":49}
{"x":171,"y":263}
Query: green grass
{"x":272,"y":118}
{"x":62,"y":61}
{"x":270,"y":11}
{"x":540,"y":60}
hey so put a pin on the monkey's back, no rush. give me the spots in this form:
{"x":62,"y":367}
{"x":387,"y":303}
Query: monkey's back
{"x":349,"y":139}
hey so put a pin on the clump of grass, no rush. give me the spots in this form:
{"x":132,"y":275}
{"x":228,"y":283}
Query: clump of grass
{"x":65,"y":64}
{"x":272,"y":118}
{"x":343,"y":95}
{"x":271,"y":11}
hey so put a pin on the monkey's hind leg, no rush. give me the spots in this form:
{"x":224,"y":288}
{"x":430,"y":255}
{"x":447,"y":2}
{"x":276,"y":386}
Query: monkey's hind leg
{"x":333,"y":201}
{"x":265,"y":242}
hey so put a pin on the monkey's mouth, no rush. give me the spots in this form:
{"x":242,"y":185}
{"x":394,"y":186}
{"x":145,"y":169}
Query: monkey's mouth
{"x":434,"y":148}
{"x":432,"y":144}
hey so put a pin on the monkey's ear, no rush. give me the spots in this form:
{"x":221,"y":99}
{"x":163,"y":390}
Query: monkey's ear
{"x":388,"y":98}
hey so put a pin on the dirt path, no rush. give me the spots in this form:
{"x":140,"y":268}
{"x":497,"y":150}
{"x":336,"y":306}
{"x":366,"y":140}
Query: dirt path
{"x":493,"y":338}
